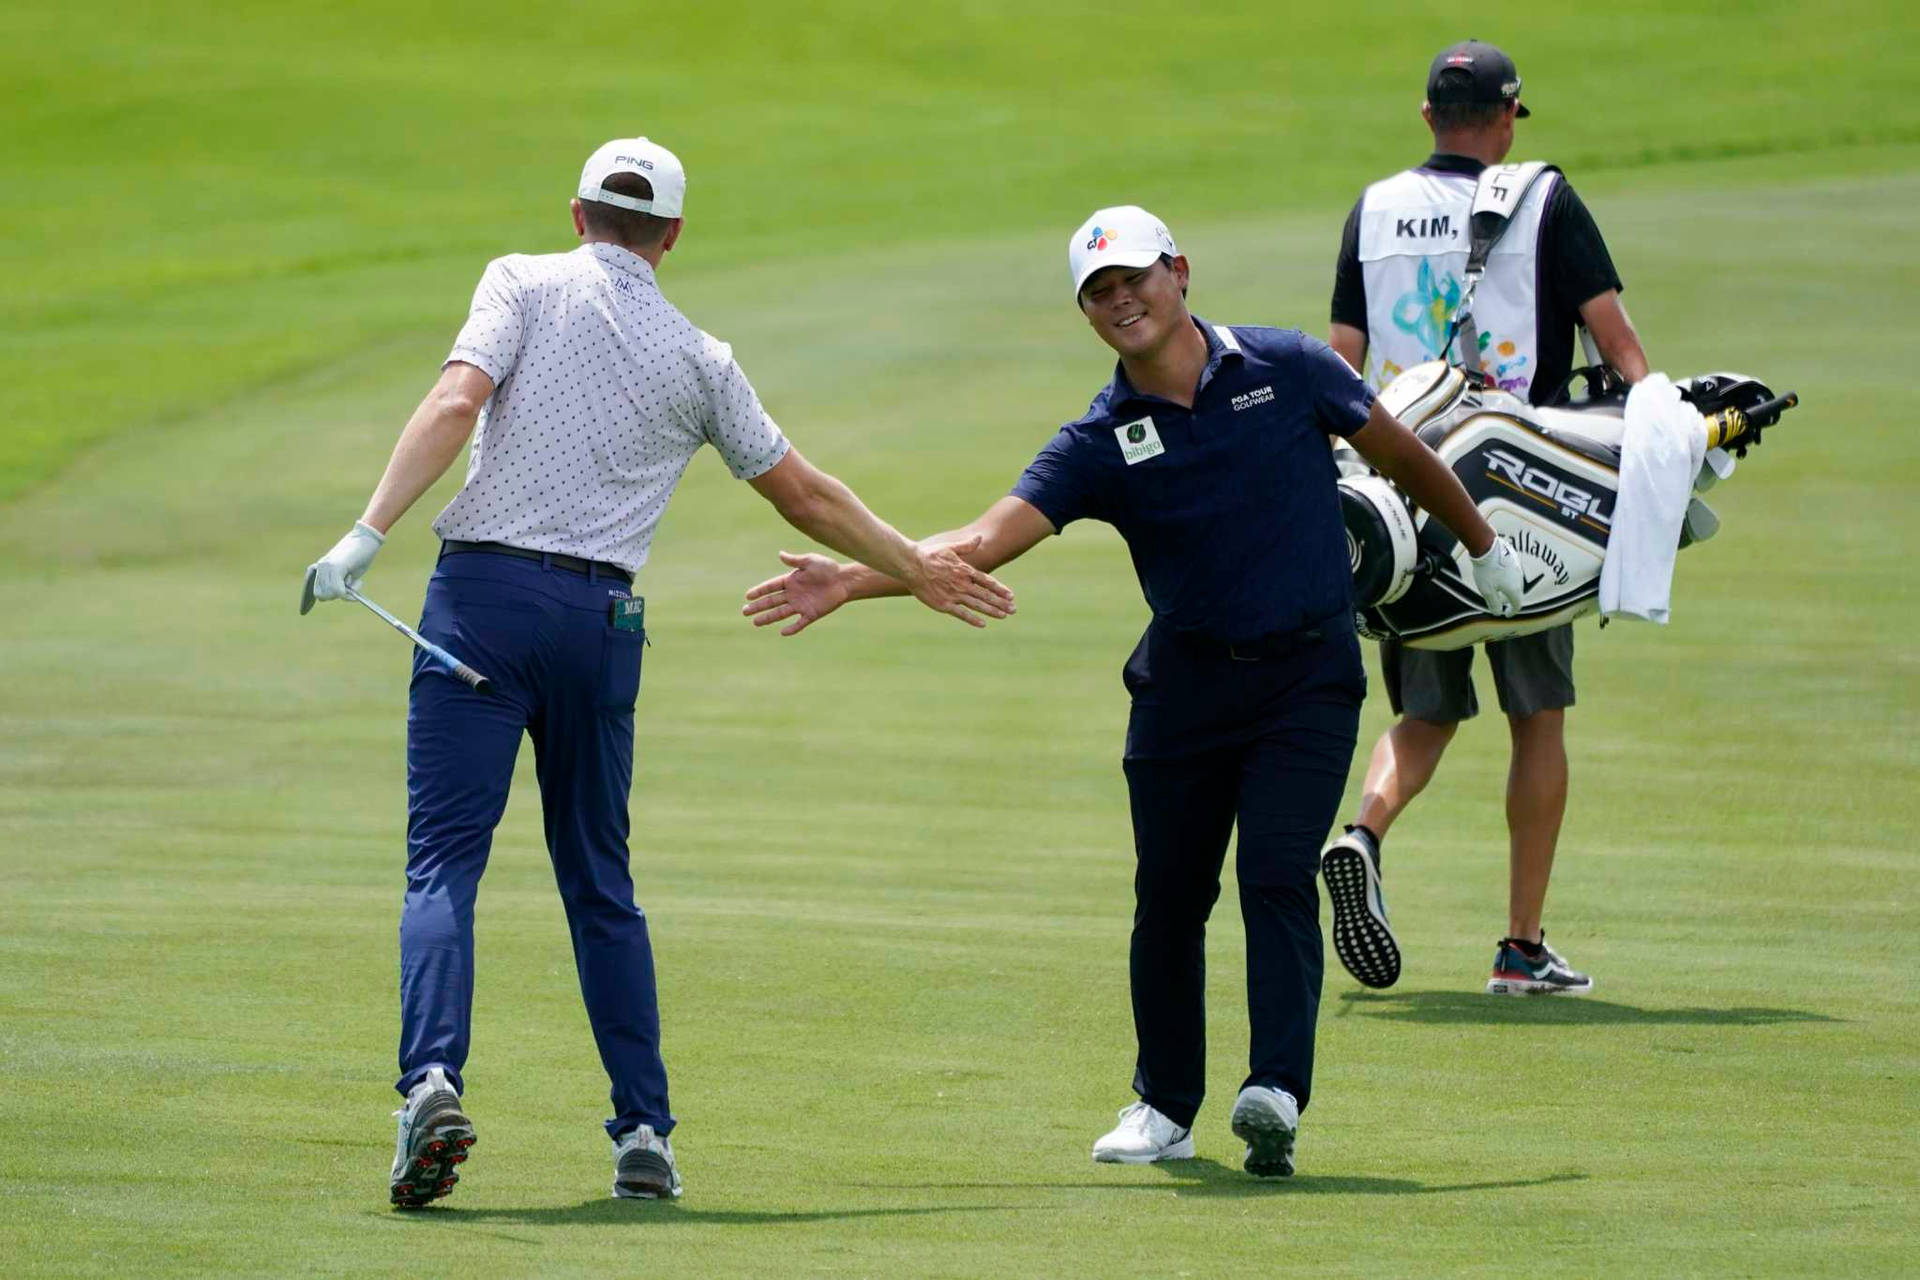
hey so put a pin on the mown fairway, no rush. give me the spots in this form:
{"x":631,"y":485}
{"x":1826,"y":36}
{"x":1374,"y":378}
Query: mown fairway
{"x":887,"y":863}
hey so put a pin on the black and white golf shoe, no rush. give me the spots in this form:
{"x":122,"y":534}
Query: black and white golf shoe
{"x":434,"y":1138}
{"x":1361,"y":936}
{"x":1267,"y":1120}
{"x":643,"y":1167}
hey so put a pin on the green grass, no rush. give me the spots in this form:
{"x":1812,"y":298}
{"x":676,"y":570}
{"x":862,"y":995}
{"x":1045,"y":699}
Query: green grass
{"x":198,"y":204}
{"x":887,"y":863}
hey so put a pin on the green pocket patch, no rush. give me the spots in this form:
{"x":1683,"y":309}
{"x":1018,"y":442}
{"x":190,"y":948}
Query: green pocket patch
{"x":628,"y":614}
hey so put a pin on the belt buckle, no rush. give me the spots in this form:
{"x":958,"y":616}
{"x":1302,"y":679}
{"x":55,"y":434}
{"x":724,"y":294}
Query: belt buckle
{"x":1233,"y":652}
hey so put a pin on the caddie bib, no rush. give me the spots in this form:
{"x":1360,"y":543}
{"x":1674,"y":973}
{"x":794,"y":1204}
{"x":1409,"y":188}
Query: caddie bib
{"x":1413,"y":254}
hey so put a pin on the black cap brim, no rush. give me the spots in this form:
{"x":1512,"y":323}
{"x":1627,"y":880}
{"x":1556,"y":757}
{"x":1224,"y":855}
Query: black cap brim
{"x":1522,"y":113}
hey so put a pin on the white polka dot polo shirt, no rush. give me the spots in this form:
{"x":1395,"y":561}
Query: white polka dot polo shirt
{"x":602,"y":393}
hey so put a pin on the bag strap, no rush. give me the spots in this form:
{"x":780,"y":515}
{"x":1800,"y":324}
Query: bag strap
{"x":1497,"y":197}
{"x":1502,"y":189}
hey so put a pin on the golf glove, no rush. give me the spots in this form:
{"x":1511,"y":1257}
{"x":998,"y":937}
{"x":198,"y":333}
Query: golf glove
{"x":1496,"y":576}
{"x":347,"y":563}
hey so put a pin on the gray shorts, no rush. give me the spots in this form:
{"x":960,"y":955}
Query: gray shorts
{"x":1530,"y":674}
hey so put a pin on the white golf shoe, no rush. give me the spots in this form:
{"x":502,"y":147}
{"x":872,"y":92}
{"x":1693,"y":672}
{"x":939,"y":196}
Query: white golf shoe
{"x":643,"y":1167}
{"x":1266,"y":1120}
{"x":434,"y":1137}
{"x":1362,"y":938}
{"x":1142,"y":1137}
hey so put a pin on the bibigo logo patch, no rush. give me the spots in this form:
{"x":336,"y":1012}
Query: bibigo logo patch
{"x":1139,"y":441}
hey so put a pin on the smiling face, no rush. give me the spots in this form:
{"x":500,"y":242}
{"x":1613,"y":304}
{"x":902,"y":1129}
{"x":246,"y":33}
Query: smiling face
{"x":1137,"y":310}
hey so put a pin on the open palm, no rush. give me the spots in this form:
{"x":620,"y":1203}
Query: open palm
{"x":808,"y":592}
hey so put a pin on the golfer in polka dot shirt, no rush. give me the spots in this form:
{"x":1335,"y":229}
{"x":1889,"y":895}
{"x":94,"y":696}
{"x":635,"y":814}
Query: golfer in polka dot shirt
{"x":585,"y":393}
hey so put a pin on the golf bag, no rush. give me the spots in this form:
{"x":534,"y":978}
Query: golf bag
{"x":1545,"y":478}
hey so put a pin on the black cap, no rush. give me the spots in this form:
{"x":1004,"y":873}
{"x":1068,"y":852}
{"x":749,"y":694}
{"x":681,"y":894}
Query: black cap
{"x":1491,"y":76}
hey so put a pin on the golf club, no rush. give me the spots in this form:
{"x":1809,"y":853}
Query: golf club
{"x":459,"y":669}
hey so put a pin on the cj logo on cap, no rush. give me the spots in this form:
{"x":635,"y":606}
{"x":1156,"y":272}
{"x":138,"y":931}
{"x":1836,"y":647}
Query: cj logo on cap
{"x":1106,"y":238}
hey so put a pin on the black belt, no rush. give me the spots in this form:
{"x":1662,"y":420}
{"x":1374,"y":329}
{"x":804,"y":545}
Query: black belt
{"x":1275,"y":644}
{"x":573,"y":564}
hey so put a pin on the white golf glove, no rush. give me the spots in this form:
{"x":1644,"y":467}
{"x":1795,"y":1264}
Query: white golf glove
{"x":347,"y":563}
{"x":1496,"y":575}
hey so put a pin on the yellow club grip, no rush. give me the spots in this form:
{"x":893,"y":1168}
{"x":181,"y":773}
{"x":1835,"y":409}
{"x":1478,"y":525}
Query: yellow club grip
{"x":1726,"y":426}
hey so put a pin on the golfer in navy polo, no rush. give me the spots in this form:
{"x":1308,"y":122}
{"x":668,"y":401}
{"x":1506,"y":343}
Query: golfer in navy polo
{"x":1209,"y":452}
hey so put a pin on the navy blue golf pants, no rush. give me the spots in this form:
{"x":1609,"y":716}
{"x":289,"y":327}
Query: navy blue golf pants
{"x":1213,"y":742}
{"x":565,"y":677}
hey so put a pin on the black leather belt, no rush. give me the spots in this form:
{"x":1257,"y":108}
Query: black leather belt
{"x":1275,"y":644}
{"x":573,"y":564}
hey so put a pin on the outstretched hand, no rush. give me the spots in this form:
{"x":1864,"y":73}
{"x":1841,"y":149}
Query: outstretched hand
{"x":816,"y":585}
{"x":809,"y":593}
{"x":946,"y":583}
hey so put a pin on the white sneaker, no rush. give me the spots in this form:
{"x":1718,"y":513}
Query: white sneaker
{"x":1143,"y":1136}
{"x":643,"y":1167}
{"x":434,"y":1136}
{"x":1266,"y":1120}
{"x":1362,"y":938}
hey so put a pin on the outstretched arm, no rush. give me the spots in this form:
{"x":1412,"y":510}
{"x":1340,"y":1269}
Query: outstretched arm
{"x":830,"y":513}
{"x":1398,"y":454}
{"x":817,"y":585}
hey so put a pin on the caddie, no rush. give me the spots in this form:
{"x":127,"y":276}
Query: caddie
{"x":1398,"y":298}
{"x":1208,"y":451}
{"x":590,"y":393}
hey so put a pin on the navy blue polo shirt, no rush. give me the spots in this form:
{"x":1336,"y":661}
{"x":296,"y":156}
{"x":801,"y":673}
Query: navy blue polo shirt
{"x":1229,"y":508}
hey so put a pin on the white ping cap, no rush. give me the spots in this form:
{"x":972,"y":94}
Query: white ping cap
{"x":651,"y":161}
{"x":1123,"y":236}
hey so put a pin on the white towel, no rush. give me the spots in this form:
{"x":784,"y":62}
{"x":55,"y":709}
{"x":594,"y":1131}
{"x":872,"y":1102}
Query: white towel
{"x":1661,"y":451}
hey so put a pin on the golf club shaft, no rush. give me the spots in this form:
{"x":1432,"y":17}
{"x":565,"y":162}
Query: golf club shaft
{"x":460,"y":669}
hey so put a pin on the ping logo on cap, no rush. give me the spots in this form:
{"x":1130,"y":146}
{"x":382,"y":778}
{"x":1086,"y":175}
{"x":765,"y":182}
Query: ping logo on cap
{"x":634,"y":160}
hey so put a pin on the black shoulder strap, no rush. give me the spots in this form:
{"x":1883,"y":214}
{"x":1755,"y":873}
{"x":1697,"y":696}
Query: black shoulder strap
{"x":1501,"y":190}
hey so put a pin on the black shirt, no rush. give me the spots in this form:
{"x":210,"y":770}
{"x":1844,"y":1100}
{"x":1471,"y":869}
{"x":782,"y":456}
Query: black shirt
{"x":1574,"y":269}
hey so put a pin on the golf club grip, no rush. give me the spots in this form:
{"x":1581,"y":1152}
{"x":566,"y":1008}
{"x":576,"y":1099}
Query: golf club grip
{"x":1732,"y":426}
{"x":464,"y":672}
{"x":1768,"y":412}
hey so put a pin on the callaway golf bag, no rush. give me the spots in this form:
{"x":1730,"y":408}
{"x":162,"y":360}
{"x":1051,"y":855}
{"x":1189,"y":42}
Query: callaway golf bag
{"x":1546,"y":478}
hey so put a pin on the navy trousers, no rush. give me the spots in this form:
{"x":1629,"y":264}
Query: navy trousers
{"x":565,"y":677}
{"x":1215,"y":741}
